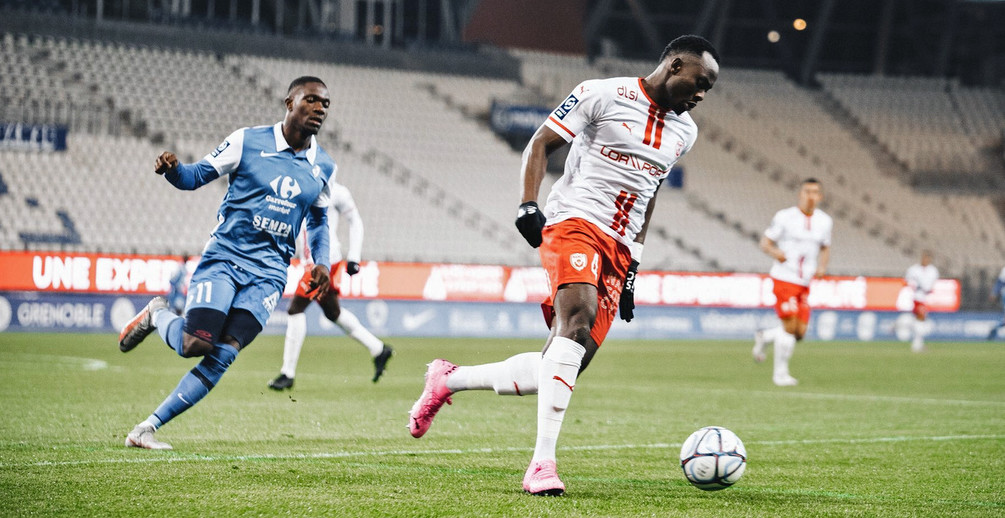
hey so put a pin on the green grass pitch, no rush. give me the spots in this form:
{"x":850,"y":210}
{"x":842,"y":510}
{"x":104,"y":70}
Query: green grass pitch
{"x":872,"y":430}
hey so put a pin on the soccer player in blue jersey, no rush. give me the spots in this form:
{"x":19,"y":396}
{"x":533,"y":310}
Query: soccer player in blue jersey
{"x":998,"y":292}
{"x":279,"y":176}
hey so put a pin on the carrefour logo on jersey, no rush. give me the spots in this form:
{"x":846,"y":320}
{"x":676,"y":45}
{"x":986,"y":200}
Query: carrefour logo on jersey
{"x":567,"y":105}
{"x":285,"y":187}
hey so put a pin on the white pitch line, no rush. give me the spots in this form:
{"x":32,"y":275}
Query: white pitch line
{"x":860,"y":397}
{"x":88,"y":364}
{"x":599,"y":447}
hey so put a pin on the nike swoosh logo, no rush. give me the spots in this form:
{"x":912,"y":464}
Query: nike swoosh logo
{"x":412,"y":322}
{"x":183,"y":399}
{"x":267,"y":155}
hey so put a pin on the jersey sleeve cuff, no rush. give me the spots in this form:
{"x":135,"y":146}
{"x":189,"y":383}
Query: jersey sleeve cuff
{"x":560,"y":128}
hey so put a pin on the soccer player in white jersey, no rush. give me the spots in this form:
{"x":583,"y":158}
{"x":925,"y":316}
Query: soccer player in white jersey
{"x":342,"y":205}
{"x":799,"y":241}
{"x":921,"y":278}
{"x":626,"y":133}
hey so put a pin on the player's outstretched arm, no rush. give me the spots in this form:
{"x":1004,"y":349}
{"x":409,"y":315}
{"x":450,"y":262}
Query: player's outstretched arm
{"x":530,"y":220}
{"x":166,"y":162}
{"x":184,"y":176}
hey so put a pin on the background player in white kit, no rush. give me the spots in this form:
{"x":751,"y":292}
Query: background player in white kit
{"x":342,"y":205}
{"x":921,"y":278}
{"x":799,"y":241}
{"x":626,"y":133}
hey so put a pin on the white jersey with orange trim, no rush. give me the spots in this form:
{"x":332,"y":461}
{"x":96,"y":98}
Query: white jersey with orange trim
{"x":800,"y":238}
{"x":922,"y":280}
{"x":623,"y":146}
{"x":341,"y":205}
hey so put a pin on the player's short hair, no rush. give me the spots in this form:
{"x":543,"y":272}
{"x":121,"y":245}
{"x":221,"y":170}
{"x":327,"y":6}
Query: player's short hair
{"x":689,"y":44}
{"x":302,"y":80}
{"x":811,"y":180}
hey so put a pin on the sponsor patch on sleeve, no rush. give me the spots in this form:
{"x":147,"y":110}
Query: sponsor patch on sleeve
{"x":567,"y":105}
{"x":219,"y":149}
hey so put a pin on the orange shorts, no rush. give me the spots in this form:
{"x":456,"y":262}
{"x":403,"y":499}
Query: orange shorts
{"x":920,"y":310}
{"x":305,"y":282}
{"x":575,"y":251}
{"x":791,"y":300}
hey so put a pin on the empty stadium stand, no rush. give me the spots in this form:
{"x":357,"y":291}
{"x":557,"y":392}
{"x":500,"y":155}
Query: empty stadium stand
{"x":435,"y":184}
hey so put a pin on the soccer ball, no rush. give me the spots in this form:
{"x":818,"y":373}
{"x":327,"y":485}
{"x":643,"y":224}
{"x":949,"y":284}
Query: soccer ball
{"x":713,"y":458}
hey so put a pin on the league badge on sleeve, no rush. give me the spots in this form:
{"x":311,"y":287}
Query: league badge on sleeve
{"x":567,"y":105}
{"x":219,"y":149}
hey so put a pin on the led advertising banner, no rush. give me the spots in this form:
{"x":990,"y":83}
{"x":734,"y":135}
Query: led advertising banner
{"x":145,"y":274}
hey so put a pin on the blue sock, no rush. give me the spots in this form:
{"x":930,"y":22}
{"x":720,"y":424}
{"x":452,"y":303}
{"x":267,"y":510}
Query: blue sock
{"x":195,"y":384}
{"x":169,"y":326}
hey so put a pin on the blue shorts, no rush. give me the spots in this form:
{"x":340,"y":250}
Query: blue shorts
{"x":222,"y":285}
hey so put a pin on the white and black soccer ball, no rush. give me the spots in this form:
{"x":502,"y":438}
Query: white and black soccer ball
{"x":713,"y":458}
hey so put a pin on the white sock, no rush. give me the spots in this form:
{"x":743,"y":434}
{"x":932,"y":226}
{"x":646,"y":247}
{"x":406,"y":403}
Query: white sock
{"x":785,"y":344}
{"x":296,"y":332}
{"x":350,"y":324}
{"x":918,"y":343}
{"x":516,"y":375}
{"x":770,"y":334}
{"x":557,"y":378}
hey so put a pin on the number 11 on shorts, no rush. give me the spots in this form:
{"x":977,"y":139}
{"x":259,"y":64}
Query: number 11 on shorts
{"x":203,"y":288}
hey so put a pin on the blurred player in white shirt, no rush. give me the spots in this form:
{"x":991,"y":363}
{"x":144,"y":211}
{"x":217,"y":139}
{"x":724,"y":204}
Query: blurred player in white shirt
{"x":799,"y":241}
{"x":921,"y":278}
{"x":625,"y":135}
{"x":342,"y":205}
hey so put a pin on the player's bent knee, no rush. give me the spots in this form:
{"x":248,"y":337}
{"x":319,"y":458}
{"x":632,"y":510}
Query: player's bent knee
{"x":241,"y":327}
{"x":577,"y":327}
{"x":298,"y":305}
{"x":578,"y":334}
{"x":193,"y":346}
{"x":333,"y":315}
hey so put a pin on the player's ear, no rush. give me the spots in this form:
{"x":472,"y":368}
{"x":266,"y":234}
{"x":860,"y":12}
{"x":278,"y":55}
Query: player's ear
{"x":676,"y":64}
{"x":289,"y":104}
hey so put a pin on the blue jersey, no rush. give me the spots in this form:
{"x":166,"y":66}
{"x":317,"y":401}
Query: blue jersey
{"x":272,"y":190}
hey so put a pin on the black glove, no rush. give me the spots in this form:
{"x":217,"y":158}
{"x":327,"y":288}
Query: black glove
{"x":352,"y":267}
{"x":529,"y":221}
{"x":627,"y":304}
